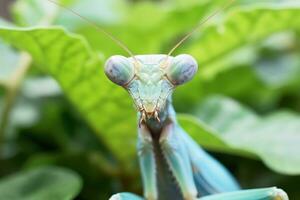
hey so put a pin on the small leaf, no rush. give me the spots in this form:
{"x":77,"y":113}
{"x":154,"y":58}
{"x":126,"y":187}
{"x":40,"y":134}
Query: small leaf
{"x":46,"y":183}
{"x":41,"y":87}
{"x":24,"y":114}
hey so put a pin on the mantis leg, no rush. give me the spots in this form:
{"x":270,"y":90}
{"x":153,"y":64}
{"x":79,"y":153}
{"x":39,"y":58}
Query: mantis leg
{"x":210,"y":176}
{"x":177,"y":157}
{"x":254,"y":194}
{"x":147,"y":163}
{"x":125,"y":196}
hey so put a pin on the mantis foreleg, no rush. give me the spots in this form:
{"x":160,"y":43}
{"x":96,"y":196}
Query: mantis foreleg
{"x":254,"y":194}
{"x":177,"y":157}
{"x":210,"y":176}
{"x":125,"y":196}
{"x":147,"y":163}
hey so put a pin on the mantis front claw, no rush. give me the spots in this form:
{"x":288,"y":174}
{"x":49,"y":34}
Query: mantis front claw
{"x":125,"y":196}
{"x":272,"y":193}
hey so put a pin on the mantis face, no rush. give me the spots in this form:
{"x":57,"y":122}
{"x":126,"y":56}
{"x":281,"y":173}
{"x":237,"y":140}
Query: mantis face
{"x":150,"y":79}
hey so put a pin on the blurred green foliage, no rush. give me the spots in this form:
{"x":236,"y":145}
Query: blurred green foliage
{"x":59,"y":109}
{"x":44,"y":183}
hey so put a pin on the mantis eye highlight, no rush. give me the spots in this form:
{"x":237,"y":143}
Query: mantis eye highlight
{"x":182,"y":69}
{"x":119,"y":70}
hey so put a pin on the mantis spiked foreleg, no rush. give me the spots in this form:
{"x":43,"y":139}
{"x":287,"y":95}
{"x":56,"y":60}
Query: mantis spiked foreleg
{"x":254,"y":194}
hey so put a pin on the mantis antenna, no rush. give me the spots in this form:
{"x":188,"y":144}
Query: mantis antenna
{"x":226,"y":5}
{"x":99,"y":29}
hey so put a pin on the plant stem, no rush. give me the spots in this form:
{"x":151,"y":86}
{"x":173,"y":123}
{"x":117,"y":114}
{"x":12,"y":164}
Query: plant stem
{"x":14,"y":83}
{"x":12,"y":90}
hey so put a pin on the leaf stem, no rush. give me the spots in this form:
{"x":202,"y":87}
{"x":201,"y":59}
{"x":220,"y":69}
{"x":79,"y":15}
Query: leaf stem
{"x":12,"y":91}
{"x":13,"y":85}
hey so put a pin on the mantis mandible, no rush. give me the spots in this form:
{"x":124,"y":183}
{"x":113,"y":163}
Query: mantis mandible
{"x":173,"y":166}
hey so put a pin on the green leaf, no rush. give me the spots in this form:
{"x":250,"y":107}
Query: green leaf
{"x":197,"y":129}
{"x":279,"y":67}
{"x":273,"y":138}
{"x":242,"y":26}
{"x":207,"y":137}
{"x":106,"y":107}
{"x":221,"y":46}
{"x":46,"y":183}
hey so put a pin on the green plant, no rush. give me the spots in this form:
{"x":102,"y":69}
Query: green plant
{"x":236,"y":56}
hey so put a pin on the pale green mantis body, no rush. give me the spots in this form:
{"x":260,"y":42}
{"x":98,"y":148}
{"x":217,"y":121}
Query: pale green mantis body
{"x":173,"y":166}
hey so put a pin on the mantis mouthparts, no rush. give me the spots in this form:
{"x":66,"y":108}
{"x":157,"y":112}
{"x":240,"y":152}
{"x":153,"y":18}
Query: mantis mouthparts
{"x":145,"y":116}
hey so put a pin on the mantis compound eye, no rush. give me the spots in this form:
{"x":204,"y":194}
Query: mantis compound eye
{"x":119,"y":70}
{"x":182,"y":69}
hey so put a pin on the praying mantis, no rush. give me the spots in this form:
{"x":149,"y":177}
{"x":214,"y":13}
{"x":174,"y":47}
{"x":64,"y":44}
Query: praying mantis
{"x":173,"y":166}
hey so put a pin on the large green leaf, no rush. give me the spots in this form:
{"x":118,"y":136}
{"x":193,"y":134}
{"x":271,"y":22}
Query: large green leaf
{"x":46,"y":183}
{"x":207,"y":137}
{"x":273,"y":138}
{"x":243,"y":26}
{"x":266,"y":75}
{"x":218,"y":47}
{"x":106,"y":107}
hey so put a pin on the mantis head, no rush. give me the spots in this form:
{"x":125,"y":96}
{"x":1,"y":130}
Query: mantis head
{"x":150,"y":79}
